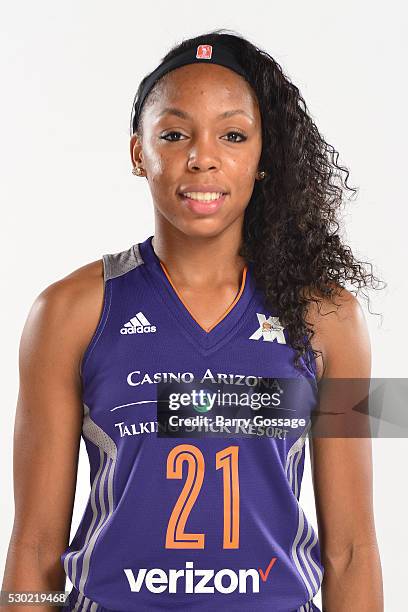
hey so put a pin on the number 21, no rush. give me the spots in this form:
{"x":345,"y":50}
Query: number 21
{"x":227,"y":460}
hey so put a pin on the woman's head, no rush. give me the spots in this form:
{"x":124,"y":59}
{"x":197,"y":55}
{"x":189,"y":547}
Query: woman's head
{"x":200,"y":131}
{"x":288,"y":220}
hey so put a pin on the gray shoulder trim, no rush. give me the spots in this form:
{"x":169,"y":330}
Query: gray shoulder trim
{"x":116,"y":264}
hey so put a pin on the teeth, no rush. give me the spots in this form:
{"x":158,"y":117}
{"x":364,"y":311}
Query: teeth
{"x":200,"y":195}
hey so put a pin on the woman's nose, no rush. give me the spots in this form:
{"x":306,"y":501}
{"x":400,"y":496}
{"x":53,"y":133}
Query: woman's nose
{"x":203,"y":156}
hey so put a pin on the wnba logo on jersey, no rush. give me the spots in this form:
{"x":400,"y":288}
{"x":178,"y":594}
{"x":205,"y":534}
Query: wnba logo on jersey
{"x":138,"y":325}
{"x":270,"y":329}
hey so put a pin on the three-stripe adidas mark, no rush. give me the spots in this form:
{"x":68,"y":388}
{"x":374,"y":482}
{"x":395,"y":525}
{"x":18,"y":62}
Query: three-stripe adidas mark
{"x":138,"y":325}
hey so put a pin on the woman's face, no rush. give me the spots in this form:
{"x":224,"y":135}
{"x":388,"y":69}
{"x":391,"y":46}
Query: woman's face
{"x":189,"y":146}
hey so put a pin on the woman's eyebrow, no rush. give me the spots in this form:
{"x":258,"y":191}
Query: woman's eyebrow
{"x":171,"y":110}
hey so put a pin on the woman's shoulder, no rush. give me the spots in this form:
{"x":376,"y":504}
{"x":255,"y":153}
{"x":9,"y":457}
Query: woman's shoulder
{"x":340,"y":332}
{"x":75,"y":292}
{"x":67,"y":311}
{"x":326,"y":311}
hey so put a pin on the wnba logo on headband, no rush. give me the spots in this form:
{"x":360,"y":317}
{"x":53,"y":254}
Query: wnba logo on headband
{"x":204,"y":52}
{"x":218,"y":54}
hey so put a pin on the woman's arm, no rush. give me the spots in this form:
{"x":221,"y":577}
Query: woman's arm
{"x":342,"y":467}
{"x":47,"y":430}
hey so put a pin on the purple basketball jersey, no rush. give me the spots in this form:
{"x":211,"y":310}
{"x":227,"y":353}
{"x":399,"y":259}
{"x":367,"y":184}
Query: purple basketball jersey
{"x":187,"y":523}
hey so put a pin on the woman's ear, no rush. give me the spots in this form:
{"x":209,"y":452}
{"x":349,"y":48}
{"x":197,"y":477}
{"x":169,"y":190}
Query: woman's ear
{"x":136,"y":155}
{"x":135,"y":150}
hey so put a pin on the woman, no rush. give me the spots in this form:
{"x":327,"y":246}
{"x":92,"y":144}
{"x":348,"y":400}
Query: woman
{"x":242,"y":281}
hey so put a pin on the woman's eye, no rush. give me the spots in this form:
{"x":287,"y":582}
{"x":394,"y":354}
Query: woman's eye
{"x":242,"y":136}
{"x":169,"y":135}
{"x":165,"y":136}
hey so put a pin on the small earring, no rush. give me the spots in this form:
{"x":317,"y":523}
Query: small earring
{"x":262,"y":174}
{"x":136,"y":170}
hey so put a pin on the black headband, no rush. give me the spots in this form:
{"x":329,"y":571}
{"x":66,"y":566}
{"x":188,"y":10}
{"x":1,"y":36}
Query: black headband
{"x":213,"y":54}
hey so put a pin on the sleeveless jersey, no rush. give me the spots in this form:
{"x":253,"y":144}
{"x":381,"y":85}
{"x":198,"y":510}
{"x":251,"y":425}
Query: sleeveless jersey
{"x":187,"y":523}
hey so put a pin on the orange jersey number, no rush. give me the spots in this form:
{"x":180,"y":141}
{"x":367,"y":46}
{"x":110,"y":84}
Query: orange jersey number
{"x":227,"y":460}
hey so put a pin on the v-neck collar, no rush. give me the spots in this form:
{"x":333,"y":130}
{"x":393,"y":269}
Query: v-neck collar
{"x":222,"y":329}
{"x":230,"y":307}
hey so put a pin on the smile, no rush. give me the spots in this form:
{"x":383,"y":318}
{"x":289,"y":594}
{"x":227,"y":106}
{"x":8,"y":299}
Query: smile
{"x":203,"y":203}
{"x":203,"y":195}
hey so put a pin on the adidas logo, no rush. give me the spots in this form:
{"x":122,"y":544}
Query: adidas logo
{"x":138,"y":325}
{"x":269,"y":329}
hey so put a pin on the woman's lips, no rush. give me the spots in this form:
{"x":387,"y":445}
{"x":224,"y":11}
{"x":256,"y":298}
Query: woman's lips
{"x":201,"y":207}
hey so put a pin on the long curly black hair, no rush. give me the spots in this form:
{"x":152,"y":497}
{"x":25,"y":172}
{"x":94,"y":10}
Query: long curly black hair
{"x":291,"y":230}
